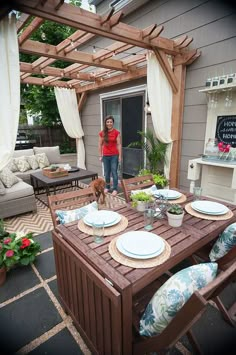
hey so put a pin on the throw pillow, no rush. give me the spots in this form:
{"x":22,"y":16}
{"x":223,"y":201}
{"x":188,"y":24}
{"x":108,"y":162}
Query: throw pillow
{"x":73,"y":215}
{"x":171,"y":296}
{"x":22,"y":164}
{"x":42,"y":160}
{"x":8,"y":178}
{"x":33,"y":162}
{"x":2,"y":188}
{"x":52,"y":153}
{"x":225,"y":242}
{"x":150,"y":190}
{"x":12,"y":166}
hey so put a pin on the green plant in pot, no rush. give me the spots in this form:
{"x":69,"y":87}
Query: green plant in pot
{"x":140,"y":200}
{"x":160,"y":180}
{"x":175,"y":214}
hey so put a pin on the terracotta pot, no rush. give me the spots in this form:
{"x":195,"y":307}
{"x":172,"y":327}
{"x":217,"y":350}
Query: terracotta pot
{"x":175,"y":220}
{"x":3,"y":273}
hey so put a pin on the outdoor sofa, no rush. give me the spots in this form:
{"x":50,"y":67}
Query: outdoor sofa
{"x":20,"y":198}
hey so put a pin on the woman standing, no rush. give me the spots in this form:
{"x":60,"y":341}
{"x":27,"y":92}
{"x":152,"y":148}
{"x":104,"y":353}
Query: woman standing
{"x":109,"y":148}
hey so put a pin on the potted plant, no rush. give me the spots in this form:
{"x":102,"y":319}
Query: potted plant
{"x":16,"y":248}
{"x":160,"y":181}
{"x":140,"y":200}
{"x":175,"y":214}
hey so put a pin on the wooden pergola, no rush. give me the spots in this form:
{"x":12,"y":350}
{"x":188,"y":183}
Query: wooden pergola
{"x":122,"y":61}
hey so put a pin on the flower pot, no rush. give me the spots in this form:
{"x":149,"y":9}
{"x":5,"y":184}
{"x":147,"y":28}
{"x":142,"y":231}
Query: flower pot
{"x":175,"y":220}
{"x":3,"y":273}
{"x":141,"y":206}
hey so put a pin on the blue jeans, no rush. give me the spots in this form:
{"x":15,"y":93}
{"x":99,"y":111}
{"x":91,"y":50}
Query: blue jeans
{"x":110,"y":168}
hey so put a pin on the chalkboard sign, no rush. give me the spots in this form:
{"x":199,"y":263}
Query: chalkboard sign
{"x":226,"y":130}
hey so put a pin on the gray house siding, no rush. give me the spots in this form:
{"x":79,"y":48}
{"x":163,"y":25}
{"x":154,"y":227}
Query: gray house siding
{"x":212,"y":24}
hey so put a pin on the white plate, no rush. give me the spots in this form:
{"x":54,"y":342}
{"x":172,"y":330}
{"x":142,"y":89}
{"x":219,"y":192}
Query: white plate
{"x":209,"y":207}
{"x":109,"y":218}
{"x":141,"y":243}
{"x":169,"y":194}
{"x":134,"y":256}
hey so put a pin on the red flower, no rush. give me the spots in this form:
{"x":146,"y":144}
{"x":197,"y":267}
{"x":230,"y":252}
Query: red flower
{"x":25,"y":243}
{"x":9,"y":253}
{"x":7,"y":240}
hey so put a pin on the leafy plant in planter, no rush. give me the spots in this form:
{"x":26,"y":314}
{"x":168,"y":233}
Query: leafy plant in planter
{"x":141,"y":197}
{"x":175,"y":214}
{"x":160,"y":180}
{"x":175,"y":209}
{"x":3,"y":232}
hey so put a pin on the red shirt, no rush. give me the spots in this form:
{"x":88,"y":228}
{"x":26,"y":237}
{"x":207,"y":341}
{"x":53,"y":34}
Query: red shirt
{"x":110,"y":148}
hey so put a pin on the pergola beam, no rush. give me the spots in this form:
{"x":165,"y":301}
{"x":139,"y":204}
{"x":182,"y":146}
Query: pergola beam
{"x":92,"y":23}
{"x":33,"y":26}
{"x":162,"y":59}
{"x":24,"y":18}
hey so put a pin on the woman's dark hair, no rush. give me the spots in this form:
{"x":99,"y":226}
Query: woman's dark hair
{"x":105,"y":130}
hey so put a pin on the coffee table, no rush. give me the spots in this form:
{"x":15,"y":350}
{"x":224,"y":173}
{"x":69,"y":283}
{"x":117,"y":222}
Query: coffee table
{"x":40,"y":181}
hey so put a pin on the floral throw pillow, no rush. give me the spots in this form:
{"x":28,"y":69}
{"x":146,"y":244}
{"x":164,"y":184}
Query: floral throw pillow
{"x":171,"y":296}
{"x":32,"y":162}
{"x":73,"y":215}
{"x":22,"y":164}
{"x":225,"y":242}
{"x":8,"y":178}
{"x":42,"y":160}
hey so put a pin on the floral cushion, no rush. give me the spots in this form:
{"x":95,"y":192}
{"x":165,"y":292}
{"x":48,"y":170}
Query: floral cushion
{"x":225,"y":242}
{"x":42,"y":160}
{"x":171,"y":296}
{"x":73,"y":215}
{"x":12,"y":166}
{"x":32,"y":162}
{"x":8,"y":178}
{"x":22,"y":164}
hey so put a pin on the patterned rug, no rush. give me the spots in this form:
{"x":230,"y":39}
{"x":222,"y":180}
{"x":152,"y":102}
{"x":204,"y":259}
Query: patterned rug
{"x":41,"y":222}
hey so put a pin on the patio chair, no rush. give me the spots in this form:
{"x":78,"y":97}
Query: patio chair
{"x":136,"y":183}
{"x":228,"y":259}
{"x":185,"y":318}
{"x":69,"y":201}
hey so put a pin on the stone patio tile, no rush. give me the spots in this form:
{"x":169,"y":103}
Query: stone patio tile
{"x":45,"y":264}
{"x":45,"y":240}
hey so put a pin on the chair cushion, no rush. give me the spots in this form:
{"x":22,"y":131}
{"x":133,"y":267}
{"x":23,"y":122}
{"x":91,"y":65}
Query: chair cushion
{"x":23,"y":152}
{"x":172,"y":295}
{"x":149,"y":190}
{"x":12,"y":166}
{"x":73,"y":215}
{"x":8,"y":178}
{"x":42,"y":160}
{"x":2,"y":189}
{"x":225,"y":242}
{"x":52,"y":153}
{"x":32,"y":162}
{"x":22,"y":164}
{"x":19,"y":190}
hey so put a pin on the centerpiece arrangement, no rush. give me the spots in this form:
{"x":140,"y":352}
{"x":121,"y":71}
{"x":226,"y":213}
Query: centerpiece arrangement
{"x":16,"y":249}
{"x":54,"y":171}
{"x":175,"y":215}
{"x":141,"y":199}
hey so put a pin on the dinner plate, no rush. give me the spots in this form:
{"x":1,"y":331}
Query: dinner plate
{"x":141,"y":243}
{"x":109,"y":218}
{"x":135,"y":256}
{"x":209,"y":207}
{"x":168,"y":194}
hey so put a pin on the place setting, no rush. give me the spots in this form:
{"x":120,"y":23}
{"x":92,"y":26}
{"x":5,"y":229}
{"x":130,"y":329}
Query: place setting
{"x":210,"y":210}
{"x":139,"y":249}
{"x":172,"y":196}
{"x":102,"y":223}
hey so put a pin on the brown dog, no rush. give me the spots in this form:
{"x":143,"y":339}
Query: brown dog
{"x":98,"y":186}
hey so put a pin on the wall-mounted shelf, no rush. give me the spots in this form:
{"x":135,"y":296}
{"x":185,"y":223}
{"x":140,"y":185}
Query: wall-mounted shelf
{"x":219,"y":88}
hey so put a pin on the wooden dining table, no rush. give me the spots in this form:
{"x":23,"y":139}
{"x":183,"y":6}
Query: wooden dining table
{"x":98,"y":292}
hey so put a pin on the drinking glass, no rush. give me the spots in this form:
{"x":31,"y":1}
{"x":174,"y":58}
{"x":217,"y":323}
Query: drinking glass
{"x":98,"y":232}
{"x":197,"y":193}
{"x":148,"y":219}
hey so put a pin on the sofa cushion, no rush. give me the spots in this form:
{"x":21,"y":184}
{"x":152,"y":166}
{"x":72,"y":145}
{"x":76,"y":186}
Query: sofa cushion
{"x":42,"y":160}
{"x":2,"y":189}
{"x":23,"y":152}
{"x":19,"y":190}
{"x":32,"y":160}
{"x":22,"y":164}
{"x":8,"y":178}
{"x":12,"y":166}
{"x":171,"y":297}
{"x":26,"y":175}
{"x":52,"y":153}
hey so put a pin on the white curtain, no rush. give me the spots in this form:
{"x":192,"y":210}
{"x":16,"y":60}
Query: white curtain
{"x":68,"y":109}
{"x":160,"y":100}
{"x":9,"y":88}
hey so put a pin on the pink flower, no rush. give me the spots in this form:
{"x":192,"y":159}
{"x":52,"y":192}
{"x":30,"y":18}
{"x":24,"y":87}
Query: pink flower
{"x":7,"y":240}
{"x":9,"y":253}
